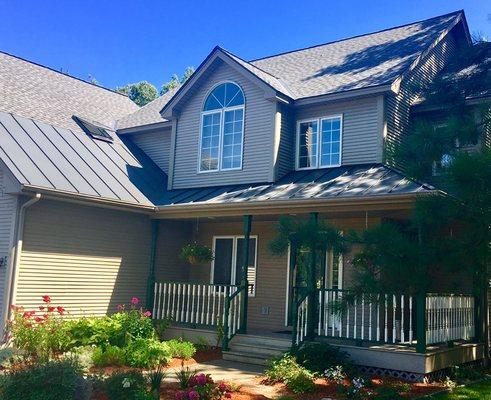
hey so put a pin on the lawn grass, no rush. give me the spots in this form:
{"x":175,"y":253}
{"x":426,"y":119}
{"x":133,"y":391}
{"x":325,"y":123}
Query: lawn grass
{"x":476,"y":391}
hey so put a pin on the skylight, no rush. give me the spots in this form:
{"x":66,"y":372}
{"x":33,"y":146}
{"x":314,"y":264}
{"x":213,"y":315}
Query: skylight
{"x":94,"y":131}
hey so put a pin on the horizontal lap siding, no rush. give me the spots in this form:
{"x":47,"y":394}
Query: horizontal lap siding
{"x":361,"y":128}
{"x":156,"y":145}
{"x":398,"y":106}
{"x":8,"y":207}
{"x":88,"y":259}
{"x":286,"y":155}
{"x":258,"y":131}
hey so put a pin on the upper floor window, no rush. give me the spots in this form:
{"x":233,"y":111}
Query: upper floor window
{"x":222,"y":129}
{"x":319,"y":142}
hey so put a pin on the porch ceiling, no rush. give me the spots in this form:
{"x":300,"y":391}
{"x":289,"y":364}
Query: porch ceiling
{"x":355,"y":188}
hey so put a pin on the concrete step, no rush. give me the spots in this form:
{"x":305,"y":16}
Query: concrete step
{"x":244,"y":358}
{"x":263,"y":341}
{"x":264,"y":351}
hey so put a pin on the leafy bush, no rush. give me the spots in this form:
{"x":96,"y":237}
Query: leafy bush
{"x":183,"y":376}
{"x":161,"y":325}
{"x":155,"y":379}
{"x":335,"y":374}
{"x":317,"y":357}
{"x":135,"y":323}
{"x":202,"y":343}
{"x":41,"y":333}
{"x":126,"y":386}
{"x":181,"y":349}
{"x":147,"y":353}
{"x":195,"y":253}
{"x":462,"y":374}
{"x":99,"y":331}
{"x":293,"y":375}
{"x":202,"y":387}
{"x":110,"y":355}
{"x":52,"y":380}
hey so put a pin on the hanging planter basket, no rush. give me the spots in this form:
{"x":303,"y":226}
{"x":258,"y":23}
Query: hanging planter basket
{"x":196,"y":254}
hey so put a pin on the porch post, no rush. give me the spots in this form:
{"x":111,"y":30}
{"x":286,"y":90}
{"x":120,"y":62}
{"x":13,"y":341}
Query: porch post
{"x":151,"y":270}
{"x":245,"y":266}
{"x":421,"y":323}
{"x":311,"y":286}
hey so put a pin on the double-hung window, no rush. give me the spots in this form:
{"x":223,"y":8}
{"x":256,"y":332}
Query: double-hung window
{"x":222,"y":129}
{"x":319,"y":142}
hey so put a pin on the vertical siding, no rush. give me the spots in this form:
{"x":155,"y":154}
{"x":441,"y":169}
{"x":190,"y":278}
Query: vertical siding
{"x":156,"y":145}
{"x":398,"y":106}
{"x":8,"y":207}
{"x":88,"y":259}
{"x":361,"y":128}
{"x":258,"y":128}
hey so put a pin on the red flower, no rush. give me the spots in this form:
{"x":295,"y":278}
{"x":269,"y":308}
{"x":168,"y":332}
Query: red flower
{"x":135,"y":300}
{"x":45,"y":316}
{"x":147,"y":314}
{"x":41,"y":308}
{"x":26,"y":314}
{"x":51,"y":309}
{"x":46,"y":299}
{"x":60,"y":310}
{"x":38,"y":319}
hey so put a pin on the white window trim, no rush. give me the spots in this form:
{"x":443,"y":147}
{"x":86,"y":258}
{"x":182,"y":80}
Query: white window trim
{"x":221,"y":133}
{"x":234,"y":259}
{"x":319,"y":134}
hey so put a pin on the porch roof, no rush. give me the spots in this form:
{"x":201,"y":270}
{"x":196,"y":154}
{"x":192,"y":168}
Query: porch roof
{"x":354,"y":181}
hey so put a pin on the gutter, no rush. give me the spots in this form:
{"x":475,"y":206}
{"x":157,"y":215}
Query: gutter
{"x":13,"y":271}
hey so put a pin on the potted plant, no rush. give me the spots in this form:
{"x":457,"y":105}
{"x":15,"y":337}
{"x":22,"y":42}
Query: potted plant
{"x":195,"y":253}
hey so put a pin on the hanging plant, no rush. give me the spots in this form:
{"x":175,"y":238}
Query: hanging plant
{"x":195,"y":253}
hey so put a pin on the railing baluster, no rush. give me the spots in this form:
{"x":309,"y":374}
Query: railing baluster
{"x":402,"y":319}
{"x":385,"y":330}
{"x":410,"y":319}
{"x":378,"y":317}
{"x":362,"y":317}
{"x":370,"y":306}
{"x":394,"y":305}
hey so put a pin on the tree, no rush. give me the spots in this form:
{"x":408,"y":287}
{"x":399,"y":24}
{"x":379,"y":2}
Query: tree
{"x":141,"y":93}
{"x":175,"y":81}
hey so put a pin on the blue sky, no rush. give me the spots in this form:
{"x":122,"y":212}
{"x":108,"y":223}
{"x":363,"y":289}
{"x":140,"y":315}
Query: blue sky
{"x":124,"y":41}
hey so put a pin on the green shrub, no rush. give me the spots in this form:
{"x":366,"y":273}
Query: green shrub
{"x":147,"y":353}
{"x":99,"y":331}
{"x":286,"y":369}
{"x":386,"y":393}
{"x":134,"y":325}
{"x":181,"y":349}
{"x":161,"y":325}
{"x":126,"y":386}
{"x":202,"y":343}
{"x":109,"y":355}
{"x":52,"y":380}
{"x":317,"y":357}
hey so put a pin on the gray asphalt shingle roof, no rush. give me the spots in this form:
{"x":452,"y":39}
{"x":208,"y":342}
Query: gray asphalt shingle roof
{"x":55,"y":158}
{"x":40,"y":93}
{"x":360,"y":181}
{"x":369,"y":60}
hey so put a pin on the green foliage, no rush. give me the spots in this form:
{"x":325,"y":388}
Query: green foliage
{"x":175,"y":81}
{"x":52,"y":380}
{"x":98,"y":331}
{"x":317,"y":357}
{"x":183,"y":376}
{"x":41,"y":333}
{"x":108,"y":356}
{"x":286,"y":369}
{"x":462,"y":374}
{"x":126,"y":386}
{"x":195,"y":253}
{"x":147,"y":353}
{"x":202,"y":343}
{"x":161,"y":325}
{"x":155,"y":379}
{"x":134,"y":325}
{"x":181,"y":349}
{"x":141,"y":93}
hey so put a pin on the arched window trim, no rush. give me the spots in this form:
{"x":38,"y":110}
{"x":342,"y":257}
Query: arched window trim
{"x":221,"y":112}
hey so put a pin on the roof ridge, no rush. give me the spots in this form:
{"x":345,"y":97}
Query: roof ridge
{"x":352,"y":37}
{"x":62,"y":73}
{"x":248,"y":62}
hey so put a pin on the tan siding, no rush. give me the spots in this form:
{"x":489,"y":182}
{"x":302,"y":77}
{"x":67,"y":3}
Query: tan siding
{"x":271,"y":270}
{"x":361,"y":128}
{"x":88,"y":259}
{"x":398,"y":106}
{"x":8,"y":207}
{"x":156,"y":145}
{"x":258,"y":131}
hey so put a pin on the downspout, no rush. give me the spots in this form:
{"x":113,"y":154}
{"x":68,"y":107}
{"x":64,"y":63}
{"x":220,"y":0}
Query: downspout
{"x":151,"y":271}
{"x":13,"y":272}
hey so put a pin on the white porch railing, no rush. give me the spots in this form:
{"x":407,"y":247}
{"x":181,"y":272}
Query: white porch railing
{"x":302,"y":320}
{"x":191,"y":303}
{"x":382,"y":318}
{"x":449,"y":317}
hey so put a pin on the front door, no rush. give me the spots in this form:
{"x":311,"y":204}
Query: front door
{"x":329,"y":277}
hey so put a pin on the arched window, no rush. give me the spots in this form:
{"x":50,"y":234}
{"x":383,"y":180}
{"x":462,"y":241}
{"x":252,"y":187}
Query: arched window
{"x":222,"y":129}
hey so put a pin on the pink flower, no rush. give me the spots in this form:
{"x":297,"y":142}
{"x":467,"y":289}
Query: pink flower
{"x":193,"y":395}
{"x":120,"y":307}
{"x":223,"y":387}
{"x":135,"y":300}
{"x":228,"y":395}
{"x":180,"y":395}
{"x":201,"y":379}
{"x":147,"y":314}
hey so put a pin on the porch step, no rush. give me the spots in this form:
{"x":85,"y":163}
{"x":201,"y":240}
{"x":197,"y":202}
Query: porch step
{"x":256,"y":349}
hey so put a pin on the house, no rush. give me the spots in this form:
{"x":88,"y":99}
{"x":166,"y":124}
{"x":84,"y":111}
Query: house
{"x":99,"y":196}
